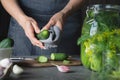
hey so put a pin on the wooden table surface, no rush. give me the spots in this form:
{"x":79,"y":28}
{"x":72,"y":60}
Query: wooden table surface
{"x":51,"y":73}
{"x":77,"y":72}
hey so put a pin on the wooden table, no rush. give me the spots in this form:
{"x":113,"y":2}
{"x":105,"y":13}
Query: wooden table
{"x":51,"y":73}
{"x":78,"y":72}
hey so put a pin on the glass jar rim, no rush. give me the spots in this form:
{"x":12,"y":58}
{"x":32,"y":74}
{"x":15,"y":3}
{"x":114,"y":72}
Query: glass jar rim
{"x":104,"y":7}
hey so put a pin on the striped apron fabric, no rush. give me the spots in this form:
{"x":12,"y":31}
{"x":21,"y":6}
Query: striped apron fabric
{"x":42,"y":11}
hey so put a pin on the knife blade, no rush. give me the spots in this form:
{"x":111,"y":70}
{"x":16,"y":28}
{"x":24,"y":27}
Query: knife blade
{"x":22,"y":58}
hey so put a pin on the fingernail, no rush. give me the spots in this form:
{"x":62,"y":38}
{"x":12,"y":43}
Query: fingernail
{"x":44,"y":48}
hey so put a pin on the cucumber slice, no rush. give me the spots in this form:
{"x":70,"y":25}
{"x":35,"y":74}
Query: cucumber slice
{"x":58,"y":56}
{"x":42,"y":59}
{"x":66,"y":62}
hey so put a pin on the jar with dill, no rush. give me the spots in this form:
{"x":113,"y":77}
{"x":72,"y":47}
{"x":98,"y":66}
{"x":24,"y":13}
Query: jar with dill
{"x":100,"y":39}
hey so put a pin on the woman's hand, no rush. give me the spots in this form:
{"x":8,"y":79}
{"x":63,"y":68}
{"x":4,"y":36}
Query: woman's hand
{"x":56,"y":20}
{"x":59,"y":18}
{"x":27,"y":23}
{"x":30,"y":27}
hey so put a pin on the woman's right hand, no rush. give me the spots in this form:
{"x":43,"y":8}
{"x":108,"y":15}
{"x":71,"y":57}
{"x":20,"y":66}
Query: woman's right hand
{"x":30,"y":27}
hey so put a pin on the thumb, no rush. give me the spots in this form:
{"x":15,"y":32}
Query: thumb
{"x":48,"y":25}
{"x":36,"y":28}
{"x":58,"y":24}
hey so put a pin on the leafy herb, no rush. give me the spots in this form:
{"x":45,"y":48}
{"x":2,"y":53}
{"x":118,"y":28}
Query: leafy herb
{"x":99,"y":51}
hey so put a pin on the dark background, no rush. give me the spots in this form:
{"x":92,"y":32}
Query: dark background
{"x":4,"y":23}
{"x":4,"y":17}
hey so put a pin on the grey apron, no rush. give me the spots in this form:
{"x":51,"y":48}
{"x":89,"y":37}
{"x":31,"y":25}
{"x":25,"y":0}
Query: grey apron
{"x":41,"y":11}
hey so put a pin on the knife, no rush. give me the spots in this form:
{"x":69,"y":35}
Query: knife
{"x":22,"y":58}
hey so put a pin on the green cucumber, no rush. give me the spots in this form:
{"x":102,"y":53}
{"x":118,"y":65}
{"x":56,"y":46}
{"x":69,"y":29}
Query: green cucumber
{"x":58,"y":56}
{"x":6,"y":43}
{"x":42,"y":59}
{"x":66,"y":62}
{"x":44,"y":34}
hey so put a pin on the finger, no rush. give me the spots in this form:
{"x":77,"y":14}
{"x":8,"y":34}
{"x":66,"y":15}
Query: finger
{"x":58,"y":24}
{"x":34,"y":41}
{"x":37,"y":43}
{"x":35,"y":26}
{"x":49,"y":24}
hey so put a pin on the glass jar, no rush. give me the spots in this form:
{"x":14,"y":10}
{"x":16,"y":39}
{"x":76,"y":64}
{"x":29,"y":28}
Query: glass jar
{"x":100,"y":39}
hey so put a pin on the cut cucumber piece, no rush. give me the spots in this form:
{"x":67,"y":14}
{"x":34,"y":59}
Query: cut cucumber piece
{"x":42,"y":59}
{"x":58,"y":56}
{"x":66,"y":62}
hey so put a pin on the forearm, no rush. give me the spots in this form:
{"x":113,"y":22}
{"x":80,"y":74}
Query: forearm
{"x":13,"y":9}
{"x":72,"y":6}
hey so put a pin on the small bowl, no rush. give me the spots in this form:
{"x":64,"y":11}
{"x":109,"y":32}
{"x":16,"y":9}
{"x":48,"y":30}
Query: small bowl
{"x":5,"y":52}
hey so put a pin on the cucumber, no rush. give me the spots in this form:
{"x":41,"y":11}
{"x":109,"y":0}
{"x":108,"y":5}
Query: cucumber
{"x":42,"y":59}
{"x":58,"y":56}
{"x":66,"y":62}
{"x":43,"y":35}
{"x":6,"y":43}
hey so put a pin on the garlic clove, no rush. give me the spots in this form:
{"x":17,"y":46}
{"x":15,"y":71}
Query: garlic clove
{"x":63,"y":68}
{"x":17,"y":70}
{"x":5,"y":62}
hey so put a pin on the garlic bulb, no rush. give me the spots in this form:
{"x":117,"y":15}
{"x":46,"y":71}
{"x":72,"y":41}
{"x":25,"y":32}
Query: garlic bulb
{"x":1,"y":71}
{"x":5,"y":62}
{"x":17,"y":70}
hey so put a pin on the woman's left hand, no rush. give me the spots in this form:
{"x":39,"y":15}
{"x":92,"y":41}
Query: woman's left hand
{"x":56,"y":20}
